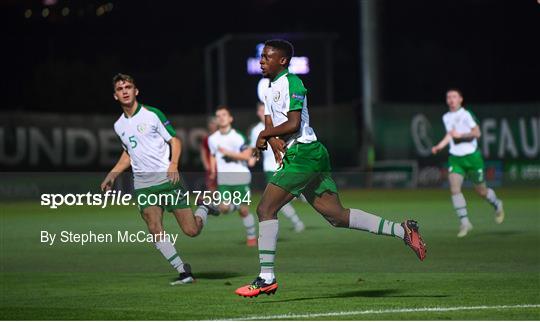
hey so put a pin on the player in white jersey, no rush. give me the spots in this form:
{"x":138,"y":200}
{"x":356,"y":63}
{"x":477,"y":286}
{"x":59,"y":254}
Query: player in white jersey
{"x":462,"y":133}
{"x":270,"y":166}
{"x":229,"y":156}
{"x":304,"y":169}
{"x":149,"y":140}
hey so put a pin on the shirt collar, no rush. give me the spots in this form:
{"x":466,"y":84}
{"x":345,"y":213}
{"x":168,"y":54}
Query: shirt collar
{"x":226,"y":133}
{"x":139,"y":106}
{"x":283,"y":72}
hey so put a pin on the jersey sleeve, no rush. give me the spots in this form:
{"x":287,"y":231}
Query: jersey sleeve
{"x":163,"y":126}
{"x":253,"y":135}
{"x":447,"y":124}
{"x":472,"y":121}
{"x":266,"y":105}
{"x":117,"y":131}
{"x":212,"y":145}
{"x":242,"y":142}
{"x":297,"y":94}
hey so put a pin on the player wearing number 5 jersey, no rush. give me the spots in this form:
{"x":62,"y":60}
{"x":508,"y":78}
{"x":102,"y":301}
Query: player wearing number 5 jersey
{"x":462,"y":133}
{"x":229,"y":155}
{"x":152,"y":150}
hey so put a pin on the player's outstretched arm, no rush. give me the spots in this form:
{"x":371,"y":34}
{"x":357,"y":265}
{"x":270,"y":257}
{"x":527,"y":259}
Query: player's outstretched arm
{"x":245,"y":155}
{"x":123,"y":163}
{"x":441,"y":145}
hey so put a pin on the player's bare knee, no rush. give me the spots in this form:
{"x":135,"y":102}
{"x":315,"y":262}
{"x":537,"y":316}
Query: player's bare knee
{"x":264,"y":212}
{"x":191,"y":231}
{"x":455,"y":190}
{"x":481,"y":191}
{"x":482,"y":194}
{"x":155,"y":228}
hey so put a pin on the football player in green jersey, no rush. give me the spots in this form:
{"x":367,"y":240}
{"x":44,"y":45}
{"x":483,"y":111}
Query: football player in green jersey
{"x":304,"y":169}
{"x":152,"y":150}
{"x":462,"y":133}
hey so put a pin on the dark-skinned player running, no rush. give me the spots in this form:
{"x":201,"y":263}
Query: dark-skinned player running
{"x":305,"y":169}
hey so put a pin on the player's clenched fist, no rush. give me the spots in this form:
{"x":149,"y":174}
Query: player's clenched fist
{"x":262,"y":143}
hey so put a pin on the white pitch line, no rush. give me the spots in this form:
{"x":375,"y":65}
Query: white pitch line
{"x":413,"y":310}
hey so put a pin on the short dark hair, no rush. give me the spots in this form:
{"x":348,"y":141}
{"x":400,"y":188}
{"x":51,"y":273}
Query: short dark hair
{"x":455,"y":89}
{"x":259,"y":103}
{"x":122,"y":78}
{"x":284,"y":46}
{"x":224,"y":107}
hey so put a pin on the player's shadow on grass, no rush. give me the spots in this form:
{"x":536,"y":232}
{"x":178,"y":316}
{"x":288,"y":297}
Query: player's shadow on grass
{"x":500,"y":233}
{"x":280,"y":239}
{"x":216,"y":275}
{"x":362,"y":293}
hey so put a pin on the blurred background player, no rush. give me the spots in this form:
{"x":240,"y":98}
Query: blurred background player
{"x":305,"y":169}
{"x":211,"y":127}
{"x":270,"y":166}
{"x":465,"y":160}
{"x":229,"y":156}
{"x":149,"y":140}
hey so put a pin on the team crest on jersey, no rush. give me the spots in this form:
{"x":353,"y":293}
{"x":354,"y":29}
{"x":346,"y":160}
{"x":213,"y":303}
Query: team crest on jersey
{"x":141,"y":127}
{"x":276,"y":96}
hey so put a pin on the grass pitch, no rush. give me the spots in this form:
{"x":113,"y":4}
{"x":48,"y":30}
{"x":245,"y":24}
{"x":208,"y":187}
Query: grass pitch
{"x":323,"y":273}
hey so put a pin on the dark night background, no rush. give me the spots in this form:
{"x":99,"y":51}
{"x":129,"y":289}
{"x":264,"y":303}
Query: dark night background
{"x":489,"y":48}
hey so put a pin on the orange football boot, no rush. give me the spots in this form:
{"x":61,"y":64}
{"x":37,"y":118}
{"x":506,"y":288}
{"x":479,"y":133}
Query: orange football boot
{"x":413,"y":239}
{"x":258,"y":286}
{"x":251,"y":242}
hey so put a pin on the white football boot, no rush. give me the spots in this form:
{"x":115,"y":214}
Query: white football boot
{"x":464,"y":230}
{"x":499,"y":213}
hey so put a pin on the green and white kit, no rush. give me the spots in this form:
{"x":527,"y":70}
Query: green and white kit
{"x":145,"y":136}
{"x":465,"y":158}
{"x":232,"y":175}
{"x":306,"y":163}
